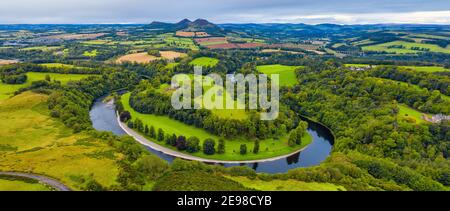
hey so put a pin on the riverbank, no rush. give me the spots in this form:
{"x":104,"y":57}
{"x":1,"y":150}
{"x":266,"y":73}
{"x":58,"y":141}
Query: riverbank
{"x":45,"y":180}
{"x":144,"y":141}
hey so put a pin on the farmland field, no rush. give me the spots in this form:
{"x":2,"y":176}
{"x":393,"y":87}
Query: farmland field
{"x":287,"y":73}
{"x":430,"y":69}
{"x":269,"y":148}
{"x":172,"y":54}
{"x":5,"y":62}
{"x":407,"y":49}
{"x":205,"y":62}
{"x":137,"y":57}
{"x":6,"y":90}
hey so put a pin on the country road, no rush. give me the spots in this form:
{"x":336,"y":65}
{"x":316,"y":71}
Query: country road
{"x":51,"y":182}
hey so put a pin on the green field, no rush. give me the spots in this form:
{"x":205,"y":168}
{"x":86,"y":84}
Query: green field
{"x":285,"y":185}
{"x":34,"y":142}
{"x":42,"y":48}
{"x":179,"y":42}
{"x":205,"y":62}
{"x":411,"y":114}
{"x":430,"y":69}
{"x":92,"y":53}
{"x":287,"y":74}
{"x":407,"y":49}
{"x":57,"y":65}
{"x":268,"y":148}
{"x":7,"y":90}
{"x":17,"y":185}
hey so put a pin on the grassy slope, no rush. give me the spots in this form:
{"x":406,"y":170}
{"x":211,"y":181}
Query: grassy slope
{"x":34,"y":142}
{"x":170,"y":126}
{"x":205,"y":61}
{"x":287,"y":73}
{"x":285,"y":185}
{"x":407,"y":49}
{"x":410,"y":113}
{"x":8,"y":185}
{"x":6,"y":90}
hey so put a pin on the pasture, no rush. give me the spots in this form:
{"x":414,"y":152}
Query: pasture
{"x":34,"y":142}
{"x":7,"y":90}
{"x":407,"y":47}
{"x":204,"y":62}
{"x":268,"y":148}
{"x":287,"y":74}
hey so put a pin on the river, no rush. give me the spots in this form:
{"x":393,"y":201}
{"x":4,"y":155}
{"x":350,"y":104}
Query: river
{"x":103,"y":117}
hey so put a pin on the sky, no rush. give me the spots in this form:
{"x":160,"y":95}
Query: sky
{"x":225,"y":11}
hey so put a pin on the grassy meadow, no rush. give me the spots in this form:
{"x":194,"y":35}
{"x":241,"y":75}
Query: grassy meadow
{"x":268,"y":148}
{"x":7,"y":90}
{"x":205,"y":62}
{"x":407,"y":49}
{"x":34,"y":142}
{"x":287,"y":73}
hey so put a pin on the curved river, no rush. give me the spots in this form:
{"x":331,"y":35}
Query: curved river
{"x":104,"y":118}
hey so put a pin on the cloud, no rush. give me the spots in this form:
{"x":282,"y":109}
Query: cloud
{"x":221,"y":11}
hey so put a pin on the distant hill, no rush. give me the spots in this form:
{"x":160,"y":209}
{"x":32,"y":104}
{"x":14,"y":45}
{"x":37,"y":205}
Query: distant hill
{"x":199,"y":25}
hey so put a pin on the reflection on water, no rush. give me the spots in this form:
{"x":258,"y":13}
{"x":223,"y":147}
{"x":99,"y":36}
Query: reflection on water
{"x":103,"y":117}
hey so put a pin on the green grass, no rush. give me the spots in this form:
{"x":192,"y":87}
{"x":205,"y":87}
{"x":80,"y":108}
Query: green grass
{"x":205,"y":62}
{"x":431,"y":69}
{"x":34,"y":142}
{"x":287,"y":73}
{"x":410,"y":114}
{"x":268,"y":148}
{"x":57,"y":65}
{"x":285,"y":185}
{"x":407,"y":49}
{"x":92,"y":53}
{"x":16,"y":185}
{"x":42,"y":48}
{"x":7,"y":90}
{"x":179,"y":42}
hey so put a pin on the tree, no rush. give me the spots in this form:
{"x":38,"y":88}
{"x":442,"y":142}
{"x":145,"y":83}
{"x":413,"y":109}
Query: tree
{"x":47,"y":78}
{"x":292,"y":138}
{"x":152,"y":132}
{"x":171,"y":140}
{"x":193,"y":144}
{"x":243,"y":149}
{"x":221,"y":147}
{"x":208,"y":146}
{"x":146,"y":130}
{"x":130,"y":124}
{"x":181,"y":143}
{"x":160,"y":134}
{"x":154,"y":53}
{"x":125,"y":116}
{"x":256,"y":147}
{"x":150,"y":167}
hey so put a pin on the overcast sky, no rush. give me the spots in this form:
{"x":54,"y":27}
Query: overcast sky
{"x":225,"y":11}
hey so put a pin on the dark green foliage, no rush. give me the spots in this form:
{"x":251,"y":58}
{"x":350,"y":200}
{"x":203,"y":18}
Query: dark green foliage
{"x":256,"y":147}
{"x":243,"y":149}
{"x":160,"y":134}
{"x":196,"y":181}
{"x":208,"y":147}
{"x":181,"y":143}
{"x":193,"y":144}
{"x":221,"y":146}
